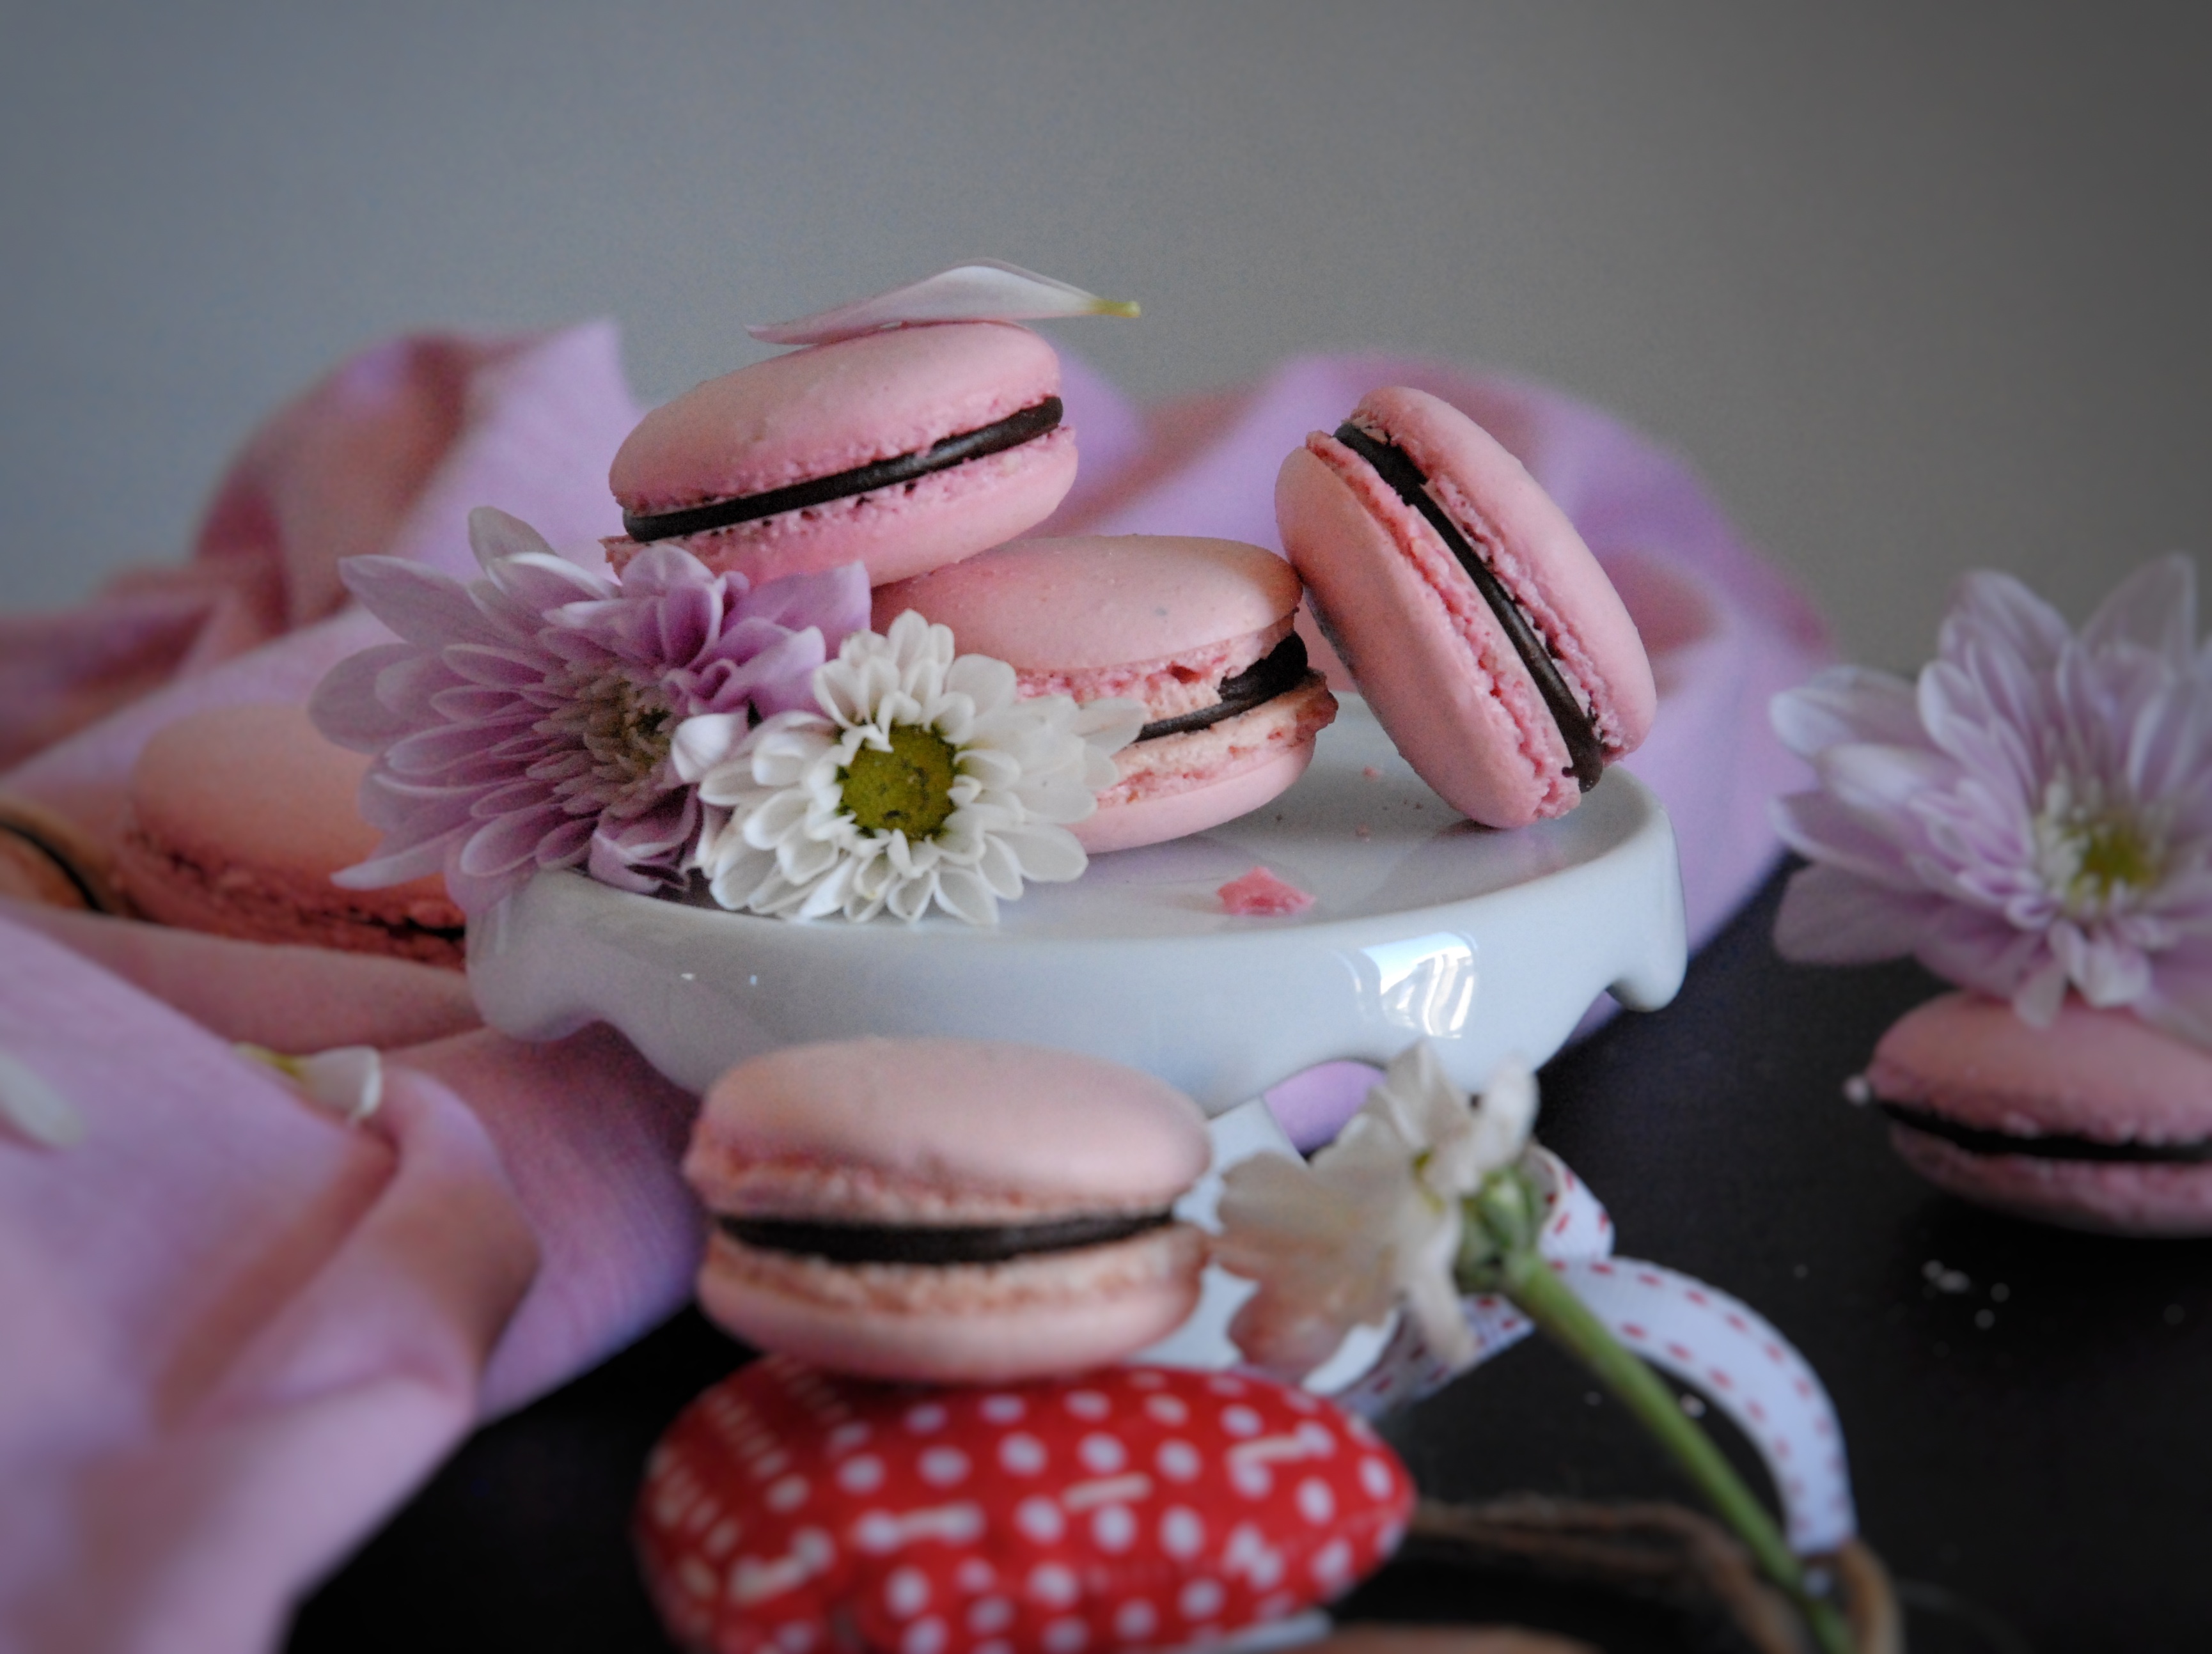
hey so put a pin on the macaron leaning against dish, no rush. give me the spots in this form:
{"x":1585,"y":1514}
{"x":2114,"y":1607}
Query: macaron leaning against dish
{"x":952,"y":1210}
{"x":1198,"y":630}
{"x":1480,"y":628}
{"x":237,"y":817}
{"x":902,"y":448}
{"x":2098,"y":1120}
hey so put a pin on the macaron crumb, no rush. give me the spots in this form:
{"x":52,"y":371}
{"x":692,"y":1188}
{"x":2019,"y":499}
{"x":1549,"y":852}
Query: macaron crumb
{"x":1368,"y":772}
{"x":1260,"y":894}
{"x":1363,"y":831}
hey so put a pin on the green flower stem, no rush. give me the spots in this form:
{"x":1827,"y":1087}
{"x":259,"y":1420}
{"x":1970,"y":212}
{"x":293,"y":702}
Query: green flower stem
{"x":1520,"y":1271}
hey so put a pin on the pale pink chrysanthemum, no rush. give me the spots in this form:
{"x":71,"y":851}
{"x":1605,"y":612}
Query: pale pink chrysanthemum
{"x":524,"y":719}
{"x":2034,"y":815}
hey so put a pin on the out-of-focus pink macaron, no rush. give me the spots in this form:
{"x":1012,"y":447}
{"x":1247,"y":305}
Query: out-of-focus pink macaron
{"x":1480,"y":628}
{"x":47,"y":859}
{"x":904,"y":449}
{"x":237,"y":818}
{"x":1200,"y":631}
{"x":953,"y":1210}
{"x":2097,"y":1122}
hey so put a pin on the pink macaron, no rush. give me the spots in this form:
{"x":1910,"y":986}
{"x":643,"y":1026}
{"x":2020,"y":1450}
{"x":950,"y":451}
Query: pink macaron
{"x":903,"y":450}
{"x":1480,"y":628}
{"x":946,"y":1210}
{"x":47,"y":859}
{"x":2097,"y":1122}
{"x":1200,"y":631}
{"x":237,"y":818}
{"x":1133,"y":1508}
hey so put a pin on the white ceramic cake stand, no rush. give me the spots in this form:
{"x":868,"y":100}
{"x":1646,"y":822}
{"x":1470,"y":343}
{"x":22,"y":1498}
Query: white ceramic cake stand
{"x":1489,"y":944}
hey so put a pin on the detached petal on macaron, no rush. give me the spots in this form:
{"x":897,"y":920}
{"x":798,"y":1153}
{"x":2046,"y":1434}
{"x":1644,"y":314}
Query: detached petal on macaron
{"x":986,"y":291}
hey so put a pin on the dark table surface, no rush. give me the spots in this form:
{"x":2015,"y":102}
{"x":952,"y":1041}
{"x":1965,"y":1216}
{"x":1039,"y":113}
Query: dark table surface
{"x":2030,"y":1437}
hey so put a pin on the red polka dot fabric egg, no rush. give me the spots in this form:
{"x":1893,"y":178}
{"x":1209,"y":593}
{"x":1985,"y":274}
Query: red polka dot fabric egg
{"x":792,"y":1512}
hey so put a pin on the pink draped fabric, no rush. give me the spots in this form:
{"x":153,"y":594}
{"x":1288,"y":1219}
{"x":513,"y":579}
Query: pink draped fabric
{"x":237,"y":1331}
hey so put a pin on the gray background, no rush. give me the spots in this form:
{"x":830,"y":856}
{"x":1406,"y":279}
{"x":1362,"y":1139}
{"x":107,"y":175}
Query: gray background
{"x":1916,"y":291}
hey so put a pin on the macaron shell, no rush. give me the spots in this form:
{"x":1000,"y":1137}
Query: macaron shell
{"x":1433,"y":661}
{"x":46,"y":858}
{"x":1157,"y":618}
{"x":980,"y":1323}
{"x":896,"y":532}
{"x":1157,"y":816}
{"x":2101,"y":1197}
{"x":2104,"y":1075}
{"x":1535,"y":552}
{"x":833,"y":408}
{"x":886,"y":1130}
{"x":1095,"y":601}
{"x":1464,"y":713}
{"x":238,"y":817}
{"x":2098,"y":1075}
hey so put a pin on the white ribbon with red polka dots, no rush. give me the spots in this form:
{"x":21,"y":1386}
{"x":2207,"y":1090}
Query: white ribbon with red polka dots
{"x":1697,"y":1333}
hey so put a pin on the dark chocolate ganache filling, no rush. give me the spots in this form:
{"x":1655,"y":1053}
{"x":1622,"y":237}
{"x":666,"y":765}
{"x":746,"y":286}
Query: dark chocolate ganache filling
{"x":1009,"y":432}
{"x":1975,"y":1139}
{"x":979,"y":1243}
{"x":1585,"y":751}
{"x":1277,"y":672}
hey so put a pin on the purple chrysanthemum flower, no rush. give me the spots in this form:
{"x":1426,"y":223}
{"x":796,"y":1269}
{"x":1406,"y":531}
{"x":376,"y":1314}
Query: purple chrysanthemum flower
{"x":2034,"y":815}
{"x":524,"y":719}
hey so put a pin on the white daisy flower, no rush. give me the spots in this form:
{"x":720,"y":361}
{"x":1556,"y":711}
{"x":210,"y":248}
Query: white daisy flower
{"x":923,"y":778}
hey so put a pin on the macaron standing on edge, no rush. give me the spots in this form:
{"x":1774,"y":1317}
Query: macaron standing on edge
{"x":950,"y":1211}
{"x":903,"y":449}
{"x":1198,"y":630}
{"x":1480,"y":628}
{"x":237,"y":818}
{"x":2097,"y":1122}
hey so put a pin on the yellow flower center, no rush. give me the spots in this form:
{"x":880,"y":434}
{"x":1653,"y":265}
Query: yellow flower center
{"x":2094,"y":855}
{"x":907,"y":790}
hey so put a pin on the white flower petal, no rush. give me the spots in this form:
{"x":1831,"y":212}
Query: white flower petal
{"x":1372,"y":1222}
{"x":493,"y":534}
{"x":35,"y":1108}
{"x":348,"y":1079}
{"x":705,"y":743}
{"x":986,"y":290}
{"x":965,"y":895}
{"x":1048,"y":854}
{"x":1110,"y":723}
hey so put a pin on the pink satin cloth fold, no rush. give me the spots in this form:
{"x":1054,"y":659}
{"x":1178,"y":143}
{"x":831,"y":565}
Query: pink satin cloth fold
{"x":234,"y":1331}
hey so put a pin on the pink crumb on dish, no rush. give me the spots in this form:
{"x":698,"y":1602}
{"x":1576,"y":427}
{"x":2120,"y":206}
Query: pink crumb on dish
{"x":1260,"y":894}
{"x":1370,"y":773}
